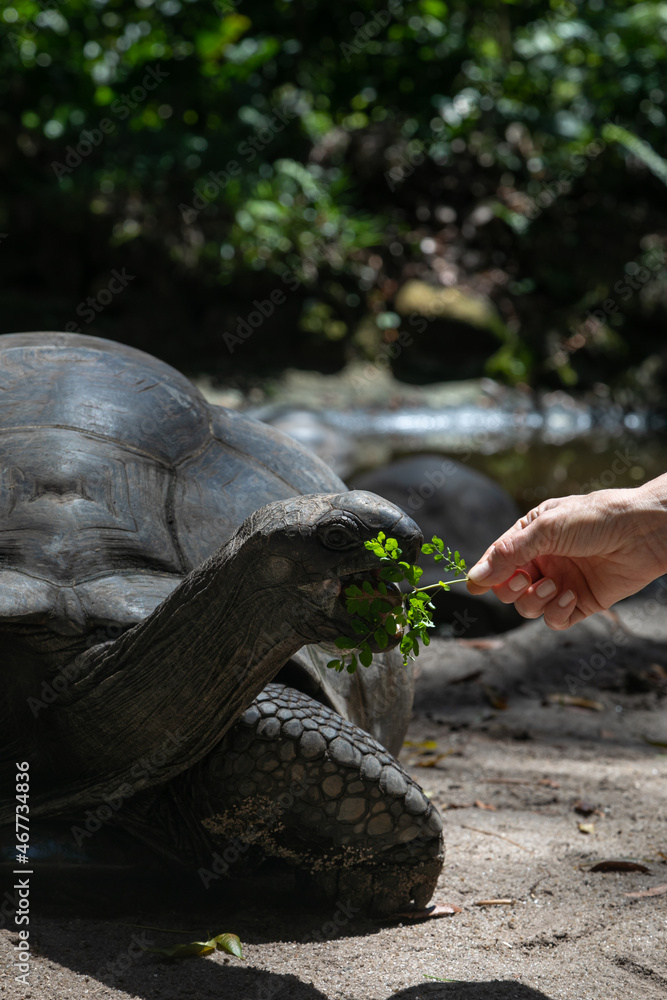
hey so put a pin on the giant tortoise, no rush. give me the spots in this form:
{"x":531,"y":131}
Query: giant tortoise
{"x":171,"y":573}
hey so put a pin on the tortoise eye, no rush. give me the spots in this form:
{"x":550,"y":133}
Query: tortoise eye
{"x":339,"y":536}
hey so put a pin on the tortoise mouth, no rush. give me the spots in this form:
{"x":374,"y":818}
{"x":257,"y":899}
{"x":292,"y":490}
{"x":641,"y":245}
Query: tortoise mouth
{"x":393,"y":595}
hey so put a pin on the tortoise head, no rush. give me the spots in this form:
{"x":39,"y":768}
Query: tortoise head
{"x":312,"y":548}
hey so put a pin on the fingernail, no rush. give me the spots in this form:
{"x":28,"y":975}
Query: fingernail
{"x":565,"y":599}
{"x":546,"y":589}
{"x":480,"y":571}
{"x":518,"y":582}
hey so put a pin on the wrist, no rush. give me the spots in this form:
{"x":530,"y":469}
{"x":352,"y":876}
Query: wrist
{"x":650,"y":504}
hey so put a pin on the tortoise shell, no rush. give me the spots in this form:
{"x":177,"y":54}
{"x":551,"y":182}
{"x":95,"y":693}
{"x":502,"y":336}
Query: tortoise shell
{"x":118,"y":478}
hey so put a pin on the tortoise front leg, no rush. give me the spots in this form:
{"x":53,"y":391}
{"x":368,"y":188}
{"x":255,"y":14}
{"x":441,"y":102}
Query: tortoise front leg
{"x":296,"y":780}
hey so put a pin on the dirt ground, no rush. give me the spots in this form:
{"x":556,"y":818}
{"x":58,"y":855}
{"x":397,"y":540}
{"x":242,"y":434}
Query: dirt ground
{"x":508,"y":766}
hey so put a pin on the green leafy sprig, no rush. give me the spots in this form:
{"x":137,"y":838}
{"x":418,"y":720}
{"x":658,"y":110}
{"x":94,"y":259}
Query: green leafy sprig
{"x":375,"y":616}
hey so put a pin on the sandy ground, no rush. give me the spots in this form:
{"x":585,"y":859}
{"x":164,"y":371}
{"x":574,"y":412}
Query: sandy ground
{"x":565,"y":932}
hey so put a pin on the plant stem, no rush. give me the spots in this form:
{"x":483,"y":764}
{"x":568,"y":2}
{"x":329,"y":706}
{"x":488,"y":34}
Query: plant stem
{"x":432,"y":586}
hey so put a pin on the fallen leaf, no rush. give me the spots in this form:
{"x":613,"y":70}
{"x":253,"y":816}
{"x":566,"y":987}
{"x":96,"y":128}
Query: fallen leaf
{"x":657,"y":890}
{"x":483,"y":644}
{"x":575,"y":701}
{"x":483,"y":805}
{"x":662,"y":854}
{"x":549,"y":783}
{"x":584,"y":807}
{"x":467,"y":677}
{"x":655,"y":743}
{"x":494,"y":902}
{"x":458,"y":805}
{"x":618,"y":865}
{"x":423,"y":745}
{"x":432,"y":761}
{"x":223,"y":942}
{"x":492,"y":833}
{"x":587,"y":827}
{"x":497,"y":700}
{"x":506,"y":781}
{"x":427,"y":913}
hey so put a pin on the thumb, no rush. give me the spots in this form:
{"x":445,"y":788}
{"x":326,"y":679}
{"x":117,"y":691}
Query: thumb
{"x":516,"y":549}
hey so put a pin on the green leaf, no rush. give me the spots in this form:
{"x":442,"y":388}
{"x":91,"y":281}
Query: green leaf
{"x":381,"y":637}
{"x":414,"y":615}
{"x":345,"y":643}
{"x":379,"y":607}
{"x":407,"y":642}
{"x":223,"y":942}
{"x":229,"y":943}
{"x":390,"y":625}
{"x":391,"y":574}
{"x":334,"y":665}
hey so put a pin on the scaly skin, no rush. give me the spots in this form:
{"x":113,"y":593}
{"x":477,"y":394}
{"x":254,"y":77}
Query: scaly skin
{"x":324,"y":795}
{"x":194,"y":665}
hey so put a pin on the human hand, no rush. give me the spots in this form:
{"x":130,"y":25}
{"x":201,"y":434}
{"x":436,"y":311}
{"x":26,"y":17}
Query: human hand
{"x":572,"y":556}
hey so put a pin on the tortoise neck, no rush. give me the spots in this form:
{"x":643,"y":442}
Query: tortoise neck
{"x":188,"y":670}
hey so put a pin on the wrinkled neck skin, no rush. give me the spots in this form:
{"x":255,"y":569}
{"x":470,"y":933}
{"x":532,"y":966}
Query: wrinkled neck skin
{"x":167,"y":690}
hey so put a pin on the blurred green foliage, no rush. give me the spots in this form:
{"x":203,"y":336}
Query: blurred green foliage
{"x":214,"y":145}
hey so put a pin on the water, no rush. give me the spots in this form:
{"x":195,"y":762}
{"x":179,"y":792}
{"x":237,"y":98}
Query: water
{"x":554,"y":445}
